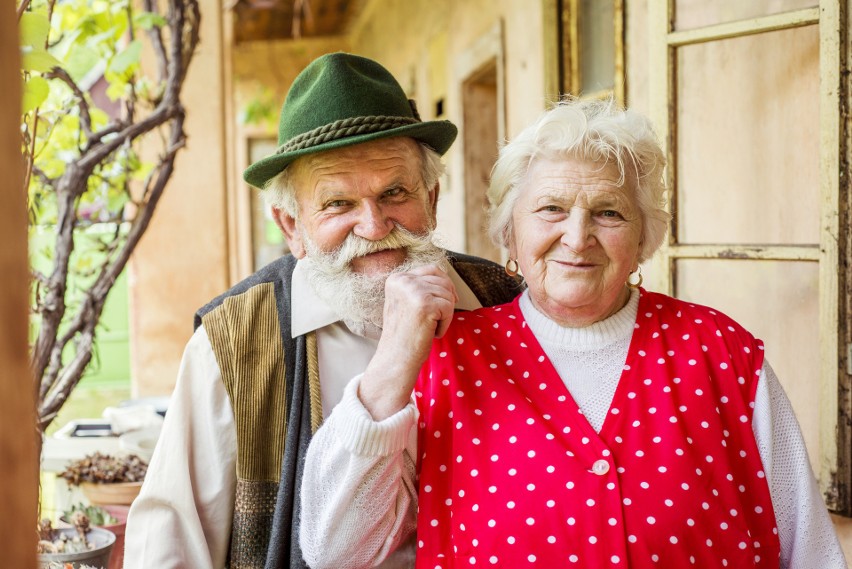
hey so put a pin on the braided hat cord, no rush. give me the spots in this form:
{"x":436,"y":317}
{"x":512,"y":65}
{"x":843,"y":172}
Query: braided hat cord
{"x":343,"y":128}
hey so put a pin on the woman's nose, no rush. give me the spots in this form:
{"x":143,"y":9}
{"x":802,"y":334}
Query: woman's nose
{"x":577,"y":232}
{"x":372,"y":223}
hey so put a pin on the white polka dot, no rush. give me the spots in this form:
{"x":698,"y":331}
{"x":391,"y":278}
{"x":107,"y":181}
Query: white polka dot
{"x":434,"y":523}
{"x":573,"y":558}
{"x":692,"y":362}
{"x":427,"y":488}
{"x":494,"y":458}
{"x":723,"y":365}
{"x":530,"y":521}
{"x":493,"y":559}
{"x":612,"y":521}
{"x":593,"y":539}
{"x":551,"y":539}
{"x":668,"y":503}
{"x":510,"y":505}
{"x":651,"y":520}
{"x":550,"y":503}
{"x":531,"y":453}
{"x":510,"y":539}
{"x":531,"y":558}
{"x":631,"y":538}
{"x":690,"y":522}
{"x":491,"y":523}
{"x":571,"y":521}
{"x":590,"y":502}
{"x":627,"y":501}
{"x":492,"y":489}
{"x":614,"y":559}
{"x":530,"y":487}
{"x":474,"y":472}
{"x":673,"y":539}
{"x":512,"y":472}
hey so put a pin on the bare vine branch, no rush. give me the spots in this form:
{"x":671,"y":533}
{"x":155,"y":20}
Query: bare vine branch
{"x":57,"y":378}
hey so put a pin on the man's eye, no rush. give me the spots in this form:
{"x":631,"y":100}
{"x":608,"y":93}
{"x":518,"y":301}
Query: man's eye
{"x":393,"y":192}
{"x":551,"y":209}
{"x":335,"y":203}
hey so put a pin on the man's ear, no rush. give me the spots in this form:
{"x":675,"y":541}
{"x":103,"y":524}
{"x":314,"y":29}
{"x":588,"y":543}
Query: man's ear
{"x":433,"y":200}
{"x":292,"y":233}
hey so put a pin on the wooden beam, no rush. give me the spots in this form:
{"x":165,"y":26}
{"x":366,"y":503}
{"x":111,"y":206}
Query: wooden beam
{"x":739,"y":28}
{"x":662,"y":105}
{"x":762,"y":252}
{"x":833,"y":468}
{"x":18,"y":438}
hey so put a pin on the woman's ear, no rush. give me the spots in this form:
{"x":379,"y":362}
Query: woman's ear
{"x":291,"y":230}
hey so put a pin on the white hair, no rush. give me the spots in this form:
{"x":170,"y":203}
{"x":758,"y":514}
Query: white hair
{"x":598,"y":131}
{"x":280,"y":193}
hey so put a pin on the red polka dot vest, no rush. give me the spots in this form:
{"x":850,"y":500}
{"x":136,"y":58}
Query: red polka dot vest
{"x":513,"y":475}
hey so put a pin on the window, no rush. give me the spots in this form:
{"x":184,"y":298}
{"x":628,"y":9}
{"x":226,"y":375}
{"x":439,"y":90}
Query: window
{"x":592,"y":48}
{"x":748,"y":99}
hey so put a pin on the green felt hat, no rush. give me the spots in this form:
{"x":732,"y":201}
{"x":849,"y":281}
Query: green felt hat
{"x":339,"y":100}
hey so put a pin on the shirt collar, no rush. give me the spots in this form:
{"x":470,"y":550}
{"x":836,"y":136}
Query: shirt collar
{"x":309,"y":312}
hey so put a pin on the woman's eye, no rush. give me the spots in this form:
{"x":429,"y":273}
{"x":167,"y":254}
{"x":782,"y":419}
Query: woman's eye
{"x":394,"y":192}
{"x":551,"y":209}
{"x":335,"y":203}
{"x":610,"y":213}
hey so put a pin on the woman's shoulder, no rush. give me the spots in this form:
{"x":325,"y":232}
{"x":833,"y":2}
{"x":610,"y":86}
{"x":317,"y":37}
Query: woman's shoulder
{"x":688,"y":312}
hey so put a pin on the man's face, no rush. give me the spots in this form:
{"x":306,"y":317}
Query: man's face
{"x":363,"y":190}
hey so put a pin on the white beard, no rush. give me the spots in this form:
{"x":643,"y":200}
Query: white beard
{"x":357,"y":297}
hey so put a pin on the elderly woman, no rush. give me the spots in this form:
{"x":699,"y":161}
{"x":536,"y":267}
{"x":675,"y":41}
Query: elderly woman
{"x":589,"y":422}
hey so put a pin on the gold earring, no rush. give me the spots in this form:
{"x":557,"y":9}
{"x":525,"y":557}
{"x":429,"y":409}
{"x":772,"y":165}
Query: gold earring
{"x":512,"y":267}
{"x":638,"y":283}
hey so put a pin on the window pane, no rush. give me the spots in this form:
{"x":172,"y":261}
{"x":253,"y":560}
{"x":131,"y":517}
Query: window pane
{"x":748,"y":140}
{"x":778,"y":302}
{"x":697,"y":13}
{"x":596,"y":24}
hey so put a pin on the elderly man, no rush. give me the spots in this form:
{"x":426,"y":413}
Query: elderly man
{"x":353,"y":186}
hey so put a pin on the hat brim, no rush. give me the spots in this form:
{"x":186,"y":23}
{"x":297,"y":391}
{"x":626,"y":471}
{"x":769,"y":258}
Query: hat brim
{"x":439,"y":135}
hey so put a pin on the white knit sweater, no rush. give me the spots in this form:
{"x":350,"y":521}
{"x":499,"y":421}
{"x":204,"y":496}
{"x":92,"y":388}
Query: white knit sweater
{"x":359,"y":493}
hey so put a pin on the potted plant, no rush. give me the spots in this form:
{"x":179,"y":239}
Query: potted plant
{"x":112,"y":518}
{"x":107,"y":479}
{"x":76,"y":547}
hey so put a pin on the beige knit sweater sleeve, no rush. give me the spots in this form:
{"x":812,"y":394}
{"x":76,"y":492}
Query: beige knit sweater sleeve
{"x":359,"y":506}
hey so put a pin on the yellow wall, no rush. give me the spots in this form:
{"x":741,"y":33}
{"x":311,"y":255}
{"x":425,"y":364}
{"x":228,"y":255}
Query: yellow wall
{"x":182,"y":262}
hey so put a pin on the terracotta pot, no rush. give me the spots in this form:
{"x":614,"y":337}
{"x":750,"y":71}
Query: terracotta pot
{"x":116,"y":557}
{"x":115,"y":493}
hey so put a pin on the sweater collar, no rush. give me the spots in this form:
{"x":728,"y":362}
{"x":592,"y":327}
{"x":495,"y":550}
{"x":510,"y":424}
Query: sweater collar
{"x":618,"y":327}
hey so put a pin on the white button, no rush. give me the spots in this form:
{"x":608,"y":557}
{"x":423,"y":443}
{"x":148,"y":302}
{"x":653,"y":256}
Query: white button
{"x":600,"y":467}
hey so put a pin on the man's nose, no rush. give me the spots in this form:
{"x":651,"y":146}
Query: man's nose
{"x":372,"y":223}
{"x":577,"y":232}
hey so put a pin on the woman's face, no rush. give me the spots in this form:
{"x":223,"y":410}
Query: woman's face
{"x":577,"y":236}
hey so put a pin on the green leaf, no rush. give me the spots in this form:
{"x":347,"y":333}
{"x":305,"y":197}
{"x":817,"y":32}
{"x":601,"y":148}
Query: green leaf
{"x":80,"y":61}
{"x":128,"y":57}
{"x":116,"y":90}
{"x":36,"y":90}
{"x":148,"y":20}
{"x":34,"y":28}
{"x":38,"y":60}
